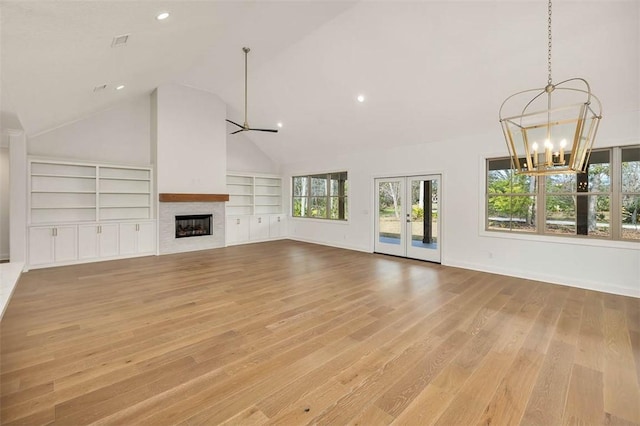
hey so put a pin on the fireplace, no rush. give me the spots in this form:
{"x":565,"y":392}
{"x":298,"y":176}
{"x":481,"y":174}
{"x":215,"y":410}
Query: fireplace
{"x":195,"y":225}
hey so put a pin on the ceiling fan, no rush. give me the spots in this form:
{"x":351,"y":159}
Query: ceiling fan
{"x":246,"y":127}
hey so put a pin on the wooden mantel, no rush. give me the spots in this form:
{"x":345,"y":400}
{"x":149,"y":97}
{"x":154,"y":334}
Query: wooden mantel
{"x":189,"y":198}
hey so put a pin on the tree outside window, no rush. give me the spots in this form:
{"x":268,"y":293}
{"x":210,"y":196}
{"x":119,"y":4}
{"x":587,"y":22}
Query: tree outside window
{"x":322,"y":196}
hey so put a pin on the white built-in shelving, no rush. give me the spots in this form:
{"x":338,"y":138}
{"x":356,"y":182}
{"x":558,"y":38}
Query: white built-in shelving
{"x":63,"y":192}
{"x":254,"y":211}
{"x":83,"y":211}
{"x":251,"y":195}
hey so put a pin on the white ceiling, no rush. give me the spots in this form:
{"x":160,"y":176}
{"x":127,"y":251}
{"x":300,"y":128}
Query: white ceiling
{"x":430,"y":70}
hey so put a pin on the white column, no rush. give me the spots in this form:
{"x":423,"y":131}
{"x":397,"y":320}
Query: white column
{"x":17,"y":196}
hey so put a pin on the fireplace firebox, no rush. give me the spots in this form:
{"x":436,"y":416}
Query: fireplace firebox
{"x":193,"y":225}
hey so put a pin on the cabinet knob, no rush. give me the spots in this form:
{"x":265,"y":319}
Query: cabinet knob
{"x":278,"y":218}
{"x":237,"y":221}
{"x":259,"y":220}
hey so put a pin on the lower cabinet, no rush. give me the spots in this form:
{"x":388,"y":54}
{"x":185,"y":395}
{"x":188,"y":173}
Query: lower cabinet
{"x":75,"y":243}
{"x":52,"y":244}
{"x":137,"y":238}
{"x":244,"y":229}
{"x":237,"y":229}
{"x":259,"y":228}
{"x":96,"y":241}
{"x":277,"y":226}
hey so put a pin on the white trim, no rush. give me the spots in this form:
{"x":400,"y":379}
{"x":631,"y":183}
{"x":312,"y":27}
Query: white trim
{"x":323,"y":243}
{"x":552,"y":279}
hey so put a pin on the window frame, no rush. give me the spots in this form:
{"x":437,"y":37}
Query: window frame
{"x":615,"y":194}
{"x":328,"y":197}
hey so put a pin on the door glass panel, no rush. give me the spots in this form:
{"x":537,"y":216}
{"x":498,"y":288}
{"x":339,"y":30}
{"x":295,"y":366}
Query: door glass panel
{"x":424,"y":216}
{"x":389,"y":212}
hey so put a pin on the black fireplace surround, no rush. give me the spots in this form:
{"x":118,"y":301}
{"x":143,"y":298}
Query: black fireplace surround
{"x":195,"y":225}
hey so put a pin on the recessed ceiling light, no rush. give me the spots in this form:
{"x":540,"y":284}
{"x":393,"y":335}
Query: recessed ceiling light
{"x":120,"y":87}
{"x":360,"y":98}
{"x":162,"y":16}
{"x":280,"y":124}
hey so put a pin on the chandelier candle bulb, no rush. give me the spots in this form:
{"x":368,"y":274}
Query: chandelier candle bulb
{"x":547,"y":152}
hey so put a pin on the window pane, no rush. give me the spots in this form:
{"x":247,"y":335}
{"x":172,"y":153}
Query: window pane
{"x":599,"y":172}
{"x":499,"y":212}
{"x":335,"y":208}
{"x":561,"y":214}
{"x":631,"y":170}
{"x":300,"y":185}
{"x":561,"y":183}
{"x":300,"y":206}
{"x":631,"y":217}
{"x":336,"y":180}
{"x":318,"y":207}
{"x":523,"y":216}
{"x":516,"y":212}
{"x":499,"y":181}
{"x":319,"y":185}
{"x":599,"y":215}
{"x":523,"y":184}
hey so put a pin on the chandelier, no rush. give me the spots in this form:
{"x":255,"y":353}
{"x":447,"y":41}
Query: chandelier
{"x":554,"y":132}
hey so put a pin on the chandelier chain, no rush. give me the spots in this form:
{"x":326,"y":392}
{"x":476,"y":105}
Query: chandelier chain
{"x":549,"y":45}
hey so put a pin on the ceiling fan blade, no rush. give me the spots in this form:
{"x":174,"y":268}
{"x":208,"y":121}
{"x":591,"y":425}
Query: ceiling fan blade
{"x":238,"y":131}
{"x":233,"y":122}
{"x":265,"y":130}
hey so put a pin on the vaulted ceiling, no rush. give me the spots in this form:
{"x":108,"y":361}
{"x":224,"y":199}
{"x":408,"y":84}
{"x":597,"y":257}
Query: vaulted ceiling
{"x":429,"y":70}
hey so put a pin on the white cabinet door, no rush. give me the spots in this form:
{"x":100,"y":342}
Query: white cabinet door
{"x":276,"y":226}
{"x":237,"y":229}
{"x":146,"y":237}
{"x":108,"y":241}
{"x":137,"y":238}
{"x":41,"y":245}
{"x":65,"y":243}
{"x":259,"y":228}
{"x":87,"y":241}
{"x":128,"y":237}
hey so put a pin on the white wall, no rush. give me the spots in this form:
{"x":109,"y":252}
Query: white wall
{"x":606,"y":266}
{"x":4,"y":203}
{"x":244,"y":156}
{"x":191,"y":146}
{"x":119,"y":135}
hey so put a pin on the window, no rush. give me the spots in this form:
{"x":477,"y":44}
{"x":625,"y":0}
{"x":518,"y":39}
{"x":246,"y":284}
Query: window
{"x":511,"y":198}
{"x":602,"y":203}
{"x":322,"y":196}
{"x":630,"y":194}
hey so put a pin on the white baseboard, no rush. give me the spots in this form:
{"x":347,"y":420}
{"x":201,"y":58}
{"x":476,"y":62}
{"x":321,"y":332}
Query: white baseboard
{"x":583,"y":284}
{"x":324,"y":243}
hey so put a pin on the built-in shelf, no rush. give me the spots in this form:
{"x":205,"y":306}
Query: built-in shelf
{"x":63,"y":192}
{"x":253,"y":194}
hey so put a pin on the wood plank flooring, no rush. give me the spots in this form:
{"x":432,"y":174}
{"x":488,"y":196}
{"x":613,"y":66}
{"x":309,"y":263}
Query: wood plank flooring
{"x":292,"y":333}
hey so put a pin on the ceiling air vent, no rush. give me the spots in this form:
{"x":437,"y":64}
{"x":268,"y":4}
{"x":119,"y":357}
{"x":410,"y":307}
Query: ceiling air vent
{"x":119,"y":41}
{"x":99,"y":88}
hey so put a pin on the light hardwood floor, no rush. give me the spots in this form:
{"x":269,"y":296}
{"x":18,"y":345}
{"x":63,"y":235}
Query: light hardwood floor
{"x":291,"y":333}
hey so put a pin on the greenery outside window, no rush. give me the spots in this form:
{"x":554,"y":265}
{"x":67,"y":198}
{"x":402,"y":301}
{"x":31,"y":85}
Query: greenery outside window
{"x":511,"y":198}
{"x":602,"y":203}
{"x":321,"y":196}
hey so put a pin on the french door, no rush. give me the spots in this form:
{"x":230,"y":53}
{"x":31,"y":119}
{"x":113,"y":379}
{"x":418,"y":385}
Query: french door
{"x":408,"y":217}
